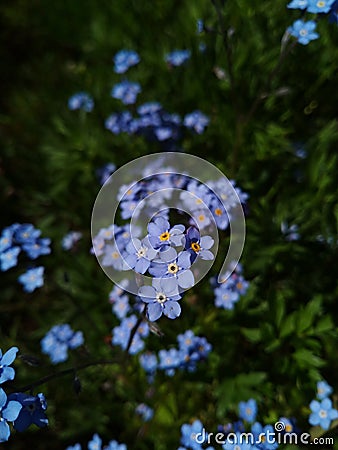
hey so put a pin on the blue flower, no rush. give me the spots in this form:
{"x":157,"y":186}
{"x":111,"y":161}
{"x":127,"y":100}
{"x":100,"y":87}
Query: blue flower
{"x":192,"y":434}
{"x":126,"y":91}
{"x":178,"y":268}
{"x":74,"y":447}
{"x":298,"y":4}
{"x":104,"y":172}
{"x":289,"y":427}
{"x":162,"y":235}
{"x":149,"y":108}
{"x":58,"y":340}
{"x":219,"y":213}
{"x":95,"y":443}
{"x":169,"y":360}
{"x":145,"y":412}
{"x":248,"y":410}
{"x":32,"y":411}
{"x":26,"y":233}
{"x":32,"y":279}
{"x":37,"y":248}
{"x":139,"y":255}
{"x":264,"y":436}
{"x":148,"y":362}
{"x":225,"y":298}
{"x":121,"y":334}
{"x":124,"y":59}
{"x":198,"y":246}
{"x":322,"y":413}
{"x":319,"y":6}
{"x":323,"y":390}
{"x":304,"y":31}
{"x":6,"y":239}
{"x":119,"y":122}
{"x":6,"y":372}
{"x":196,"y":121}
{"x":177,"y":57}
{"x":70,"y":239}
{"x":9,"y":258}
{"x":161,"y":298}
{"x":9,"y":411}
{"x":114,"y":445}
{"x":81,"y":100}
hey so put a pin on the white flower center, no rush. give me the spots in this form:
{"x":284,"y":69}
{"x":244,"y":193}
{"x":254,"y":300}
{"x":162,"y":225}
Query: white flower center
{"x":161,"y":297}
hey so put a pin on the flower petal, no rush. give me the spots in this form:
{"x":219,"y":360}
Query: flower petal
{"x":9,"y":356}
{"x":186,"y":279}
{"x":4,"y":431}
{"x":172,"y":309}
{"x":147,"y":293}
{"x":154,"y":311}
{"x":11,"y":411}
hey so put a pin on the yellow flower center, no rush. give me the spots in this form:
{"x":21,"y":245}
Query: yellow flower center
{"x":165,"y":236}
{"x":288,"y":428}
{"x":115,"y":255}
{"x":172,"y":268}
{"x":218,"y":211}
{"x":196,"y":247}
{"x":320,"y":4}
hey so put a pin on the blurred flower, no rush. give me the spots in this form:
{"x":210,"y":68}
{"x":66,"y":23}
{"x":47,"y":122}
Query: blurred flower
{"x":248,"y":410}
{"x":145,"y":412}
{"x":323,"y":389}
{"x":196,"y":121}
{"x":32,"y":279}
{"x":177,"y":57}
{"x":70,"y":239}
{"x":59,"y":339}
{"x":81,"y":100}
{"x":126,"y":91}
{"x":124,"y":59}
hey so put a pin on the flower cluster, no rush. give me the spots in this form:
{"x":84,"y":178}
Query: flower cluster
{"x":155,"y":123}
{"x":322,"y":412}
{"x":82,"y":101}
{"x":304,"y":31}
{"x":177,"y":57}
{"x":96,"y":444}
{"x":23,"y":238}
{"x":124,"y":59}
{"x":191,"y":350}
{"x":228,"y":293}
{"x":19,"y":408}
{"x":144,"y":411}
{"x":58,"y":340}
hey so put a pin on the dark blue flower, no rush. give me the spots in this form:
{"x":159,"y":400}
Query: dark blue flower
{"x":32,"y":411}
{"x":177,"y":57}
{"x":126,"y":91}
